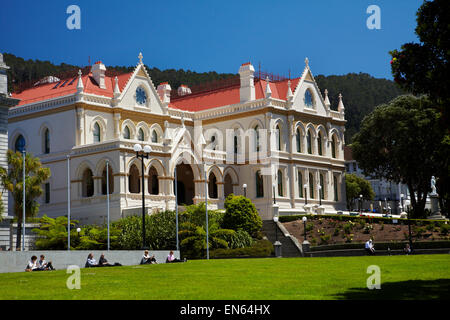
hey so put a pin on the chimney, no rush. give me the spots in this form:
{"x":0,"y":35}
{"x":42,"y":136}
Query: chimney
{"x":184,"y":90}
{"x":247,"y":90}
{"x":164,"y":92}
{"x":98,"y":72}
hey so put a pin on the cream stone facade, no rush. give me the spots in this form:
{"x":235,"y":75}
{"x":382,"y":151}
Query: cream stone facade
{"x":276,"y":137}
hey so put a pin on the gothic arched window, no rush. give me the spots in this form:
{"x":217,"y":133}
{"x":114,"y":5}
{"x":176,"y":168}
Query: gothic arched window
{"x":322,"y":189}
{"x":309,"y":142}
{"x":141,"y":135}
{"x":308,"y":99}
{"x":280,"y":183}
{"x":333,"y":146}
{"x":319,"y":143}
{"x":133,"y":180}
{"x":278,"y":137}
{"x":87,"y":184}
{"x":154,"y":136}
{"x":96,"y":133}
{"x":259,"y":185}
{"x":300,"y":184}
{"x":20,"y":144}
{"x":298,"y":140}
{"x":335,"y":186}
{"x":311,"y":186}
{"x":212,"y":186}
{"x":153,"y":184}
{"x":46,"y":141}
{"x":126,"y":133}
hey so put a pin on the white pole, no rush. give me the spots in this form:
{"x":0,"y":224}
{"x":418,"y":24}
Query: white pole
{"x":107,"y":196}
{"x":176,"y":207}
{"x":206,"y":209}
{"x":68,"y":202}
{"x":23,"y":203}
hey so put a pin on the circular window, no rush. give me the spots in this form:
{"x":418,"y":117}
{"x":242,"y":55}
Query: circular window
{"x":141,"y":96}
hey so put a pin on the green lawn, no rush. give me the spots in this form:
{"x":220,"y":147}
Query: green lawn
{"x":402,"y":277}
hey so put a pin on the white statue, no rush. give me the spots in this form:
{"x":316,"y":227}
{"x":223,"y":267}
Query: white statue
{"x":433,"y":185}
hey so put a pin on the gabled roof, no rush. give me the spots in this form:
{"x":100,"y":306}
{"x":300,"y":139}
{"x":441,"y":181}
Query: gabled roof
{"x":69,"y":86}
{"x":230,"y":95}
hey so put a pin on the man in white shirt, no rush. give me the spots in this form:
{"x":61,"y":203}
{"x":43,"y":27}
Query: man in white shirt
{"x":369,"y":247}
{"x":44,"y":265}
{"x":32,"y":265}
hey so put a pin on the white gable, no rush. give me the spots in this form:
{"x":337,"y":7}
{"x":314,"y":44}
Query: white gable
{"x":141,"y":80}
{"x":308,"y":86}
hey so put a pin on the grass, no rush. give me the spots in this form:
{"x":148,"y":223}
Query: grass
{"x":402,"y":277}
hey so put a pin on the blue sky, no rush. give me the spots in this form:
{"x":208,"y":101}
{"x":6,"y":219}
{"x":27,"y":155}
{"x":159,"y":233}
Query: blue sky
{"x":213,"y":35}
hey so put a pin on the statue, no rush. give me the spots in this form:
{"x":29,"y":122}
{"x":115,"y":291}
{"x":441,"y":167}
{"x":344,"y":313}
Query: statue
{"x":433,"y":185}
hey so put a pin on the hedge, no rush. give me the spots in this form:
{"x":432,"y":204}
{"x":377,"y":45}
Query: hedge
{"x":418,"y":222}
{"x":385,"y":245}
{"x":261,"y":248}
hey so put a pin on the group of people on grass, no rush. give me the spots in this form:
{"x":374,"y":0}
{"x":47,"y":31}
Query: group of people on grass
{"x":42,"y":265}
{"x":39,"y":265}
{"x":370,"y":249}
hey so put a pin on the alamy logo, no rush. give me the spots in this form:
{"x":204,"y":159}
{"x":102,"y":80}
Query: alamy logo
{"x":374,"y":20}
{"x":74,"y":281}
{"x":74,"y":20}
{"x":374,"y":281}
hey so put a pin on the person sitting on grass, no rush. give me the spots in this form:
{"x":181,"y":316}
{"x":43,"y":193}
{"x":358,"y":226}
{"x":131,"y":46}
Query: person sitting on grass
{"x":32,"y":265}
{"x":147,"y":259}
{"x":369,"y":247}
{"x":90,"y":262}
{"x":171,"y":258}
{"x":408,"y":249}
{"x":102,"y":262}
{"x":44,"y":265}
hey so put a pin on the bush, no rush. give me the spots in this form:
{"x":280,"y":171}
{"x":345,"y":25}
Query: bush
{"x":324,"y":239}
{"x":241,"y":213}
{"x":444,"y":229}
{"x":261,"y":248}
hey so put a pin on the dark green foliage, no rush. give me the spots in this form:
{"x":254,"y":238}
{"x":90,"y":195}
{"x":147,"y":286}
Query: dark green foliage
{"x":356,"y":186}
{"x":361,"y":94}
{"x":399,"y":142}
{"x":52,"y":233}
{"x":260,"y":248}
{"x":241,"y":213}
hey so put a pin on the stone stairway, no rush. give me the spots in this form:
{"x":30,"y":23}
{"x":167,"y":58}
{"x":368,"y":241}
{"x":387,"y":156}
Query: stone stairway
{"x":288,"y":248}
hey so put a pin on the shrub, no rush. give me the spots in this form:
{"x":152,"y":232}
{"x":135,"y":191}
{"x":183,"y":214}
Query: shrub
{"x":336,"y":232}
{"x":324,"y":239}
{"x":309,"y":226}
{"x":348,"y":227}
{"x":52,"y":233}
{"x":241,"y":213}
{"x":260,"y":248}
{"x":367,"y":228}
{"x":444,"y":229}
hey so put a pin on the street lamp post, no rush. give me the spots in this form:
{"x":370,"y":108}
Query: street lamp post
{"x":360,"y":203}
{"x":245,"y":189}
{"x":23,"y":203}
{"x":107,"y":199}
{"x":206,"y":209}
{"x":275,"y":219}
{"x":142,"y":154}
{"x":68,"y":202}
{"x":304,"y":226}
{"x":176,"y":206}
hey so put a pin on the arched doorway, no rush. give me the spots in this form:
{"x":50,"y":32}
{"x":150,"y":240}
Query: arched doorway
{"x":228,"y":187}
{"x":185,"y":184}
{"x":134,"y":185}
{"x":212,"y":186}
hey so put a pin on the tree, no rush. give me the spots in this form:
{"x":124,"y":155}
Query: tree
{"x":423,"y":68}
{"x":241,"y":213}
{"x":356,"y":186}
{"x":52,"y":233}
{"x":12,"y":181}
{"x":400,"y":142}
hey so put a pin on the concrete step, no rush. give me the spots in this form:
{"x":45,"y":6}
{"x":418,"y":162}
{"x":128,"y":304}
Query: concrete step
{"x":273,"y":233}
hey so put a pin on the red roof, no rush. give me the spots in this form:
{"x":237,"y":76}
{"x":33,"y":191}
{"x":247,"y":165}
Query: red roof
{"x":67,"y":87}
{"x":230,"y":95}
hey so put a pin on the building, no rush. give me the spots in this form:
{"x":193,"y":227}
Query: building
{"x":6,"y":102}
{"x":279,"y":137}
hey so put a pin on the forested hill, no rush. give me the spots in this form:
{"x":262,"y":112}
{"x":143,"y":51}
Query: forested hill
{"x":361,"y":92}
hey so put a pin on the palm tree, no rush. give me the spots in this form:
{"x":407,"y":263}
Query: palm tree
{"x":12,"y":181}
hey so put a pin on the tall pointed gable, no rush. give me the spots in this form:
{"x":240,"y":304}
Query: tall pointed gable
{"x":307,"y":80}
{"x":140,"y":77}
